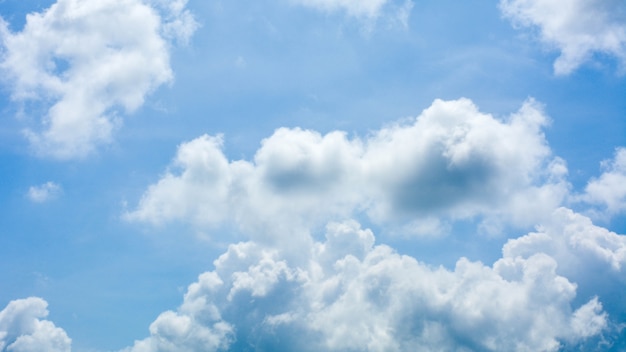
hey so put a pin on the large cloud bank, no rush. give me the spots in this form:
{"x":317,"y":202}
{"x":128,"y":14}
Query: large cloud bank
{"x":292,"y":287}
{"x":23,"y":329}
{"x":83,"y":64}
{"x":577,"y":28}
{"x":451,"y":162}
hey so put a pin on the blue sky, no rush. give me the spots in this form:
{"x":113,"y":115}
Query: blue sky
{"x":312,"y":175}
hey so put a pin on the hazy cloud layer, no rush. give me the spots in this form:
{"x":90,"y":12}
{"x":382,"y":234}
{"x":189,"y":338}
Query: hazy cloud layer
{"x":87,"y":63}
{"x":452,"y":161}
{"x":579,"y":29}
{"x":23,"y":329}
{"x":345,"y":293}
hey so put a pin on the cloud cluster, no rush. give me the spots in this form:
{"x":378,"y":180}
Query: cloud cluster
{"x":85,"y":63}
{"x":22,"y":328}
{"x":451,"y":162}
{"x":345,"y":293}
{"x":44,"y":192}
{"x":578,"y":28}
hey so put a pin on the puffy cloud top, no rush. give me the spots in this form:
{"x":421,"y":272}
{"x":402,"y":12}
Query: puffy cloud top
{"x":578,"y":28}
{"x":87,"y":61}
{"x":23,"y":330}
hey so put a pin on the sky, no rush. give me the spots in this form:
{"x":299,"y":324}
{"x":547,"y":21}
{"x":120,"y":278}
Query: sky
{"x":312,"y":175}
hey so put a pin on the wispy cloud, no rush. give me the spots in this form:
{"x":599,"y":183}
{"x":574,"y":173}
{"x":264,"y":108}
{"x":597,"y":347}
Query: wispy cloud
{"x":44,"y":192}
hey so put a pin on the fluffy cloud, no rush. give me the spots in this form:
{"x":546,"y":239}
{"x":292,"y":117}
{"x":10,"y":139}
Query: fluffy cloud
{"x":451,"y":161}
{"x":346,"y":293}
{"x":44,"y":192}
{"x":22,"y":328}
{"x":86,"y":63}
{"x":578,"y":28}
{"x":609,"y":190}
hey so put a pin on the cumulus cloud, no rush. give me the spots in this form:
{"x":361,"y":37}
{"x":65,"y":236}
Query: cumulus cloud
{"x":86,"y":63}
{"x":452,"y":161}
{"x":577,"y":28}
{"x":44,"y":192}
{"x":186,"y":330}
{"x":346,"y":293}
{"x":609,"y":190}
{"x":23,"y":329}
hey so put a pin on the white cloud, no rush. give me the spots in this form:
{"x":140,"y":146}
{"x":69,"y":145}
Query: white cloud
{"x":87,"y":63}
{"x":44,"y":192}
{"x":345,"y":293}
{"x":451,"y":161}
{"x":22,"y":328}
{"x":609,"y":190}
{"x":578,"y":28}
